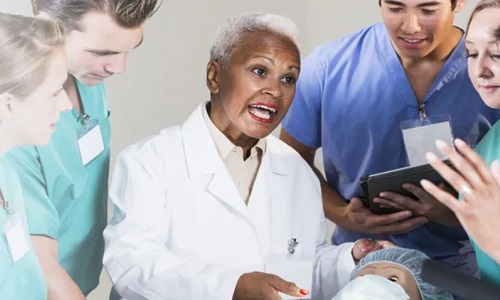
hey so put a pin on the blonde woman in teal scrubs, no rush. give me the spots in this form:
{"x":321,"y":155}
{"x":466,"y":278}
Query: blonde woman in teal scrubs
{"x":478,"y":179}
{"x":32,"y":70}
{"x":65,"y":183}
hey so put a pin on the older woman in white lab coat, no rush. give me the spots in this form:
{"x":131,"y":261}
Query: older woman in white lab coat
{"x":217,"y":208}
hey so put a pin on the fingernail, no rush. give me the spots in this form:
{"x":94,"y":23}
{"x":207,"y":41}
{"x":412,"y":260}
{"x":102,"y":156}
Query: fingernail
{"x":303,"y":292}
{"x":440,"y":144}
{"x":459,"y":143}
{"x":495,"y":164}
{"x":383,"y":195}
{"x":431,"y":157}
{"x":425,"y":184}
{"x":407,"y":214}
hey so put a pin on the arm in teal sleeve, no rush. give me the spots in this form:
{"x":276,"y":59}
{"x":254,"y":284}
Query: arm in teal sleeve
{"x":43,"y":218}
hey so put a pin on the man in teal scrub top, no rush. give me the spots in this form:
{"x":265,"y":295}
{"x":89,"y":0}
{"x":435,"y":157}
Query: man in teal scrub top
{"x":33,"y":69}
{"x":65,"y":183}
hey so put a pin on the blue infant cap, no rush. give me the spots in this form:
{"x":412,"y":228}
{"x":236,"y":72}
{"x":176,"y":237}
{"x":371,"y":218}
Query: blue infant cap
{"x":410,"y":259}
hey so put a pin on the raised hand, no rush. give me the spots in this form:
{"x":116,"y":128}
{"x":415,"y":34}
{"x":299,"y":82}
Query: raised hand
{"x":479,"y":209}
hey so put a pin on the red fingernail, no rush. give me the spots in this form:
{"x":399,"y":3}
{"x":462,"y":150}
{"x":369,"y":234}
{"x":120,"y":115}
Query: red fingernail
{"x":303,"y":292}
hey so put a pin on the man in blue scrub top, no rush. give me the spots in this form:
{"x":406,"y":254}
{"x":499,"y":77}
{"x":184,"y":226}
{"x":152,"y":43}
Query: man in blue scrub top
{"x":65,"y":183}
{"x":351,"y":98}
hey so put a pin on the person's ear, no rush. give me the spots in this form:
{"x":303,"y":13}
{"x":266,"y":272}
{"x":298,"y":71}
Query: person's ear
{"x":460,"y":5}
{"x":5,"y":107}
{"x":213,"y":72}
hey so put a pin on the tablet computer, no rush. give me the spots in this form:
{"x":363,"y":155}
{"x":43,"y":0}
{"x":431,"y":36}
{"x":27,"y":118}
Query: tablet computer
{"x":392,"y":181}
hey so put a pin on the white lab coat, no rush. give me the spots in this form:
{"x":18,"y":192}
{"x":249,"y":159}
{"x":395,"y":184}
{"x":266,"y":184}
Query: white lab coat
{"x":181,"y":230}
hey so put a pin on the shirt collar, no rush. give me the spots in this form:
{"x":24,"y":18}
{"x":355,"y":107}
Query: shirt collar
{"x":223,"y":144}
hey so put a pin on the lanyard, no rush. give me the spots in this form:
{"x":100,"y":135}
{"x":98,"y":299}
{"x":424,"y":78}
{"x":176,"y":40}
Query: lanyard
{"x":6,"y":204}
{"x":83,"y":118}
{"x":421,"y":112}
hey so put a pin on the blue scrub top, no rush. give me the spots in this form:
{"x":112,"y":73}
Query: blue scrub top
{"x":23,"y":279}
{"x":351,"y":98}
{"x":489,"y":149}
{"x":66,"y":200}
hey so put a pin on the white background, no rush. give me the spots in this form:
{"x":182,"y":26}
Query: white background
{"x":165,"y":78}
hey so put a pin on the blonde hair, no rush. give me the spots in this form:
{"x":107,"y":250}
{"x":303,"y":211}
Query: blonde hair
{"x":482,"y":5}
{"x":26,"y":47}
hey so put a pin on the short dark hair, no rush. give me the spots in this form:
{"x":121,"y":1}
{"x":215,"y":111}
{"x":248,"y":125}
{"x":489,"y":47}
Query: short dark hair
{"x":126,"y":13}
{"x":453,"y":3}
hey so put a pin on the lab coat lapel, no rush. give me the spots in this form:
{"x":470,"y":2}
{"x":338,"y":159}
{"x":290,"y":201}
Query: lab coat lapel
{"x":266,"y":197}
{"x":203,"y":160}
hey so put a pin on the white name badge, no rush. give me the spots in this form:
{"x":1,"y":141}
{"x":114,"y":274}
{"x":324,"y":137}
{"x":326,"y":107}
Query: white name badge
{"x":298,"y":272}
{"x":90,"y":142}
{"x":420,"y":137}
{"x":16,"y":238}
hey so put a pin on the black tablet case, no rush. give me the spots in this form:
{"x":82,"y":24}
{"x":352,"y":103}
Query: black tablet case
{"x":392,"y":181}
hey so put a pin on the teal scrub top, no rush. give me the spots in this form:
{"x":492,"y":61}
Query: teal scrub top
{"x":489,"y":149}
{"x":66,"y":200}
{"x":23,"y":279}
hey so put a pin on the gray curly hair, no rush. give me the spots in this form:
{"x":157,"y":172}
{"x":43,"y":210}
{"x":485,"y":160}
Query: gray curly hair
{"x":229,"y":36}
